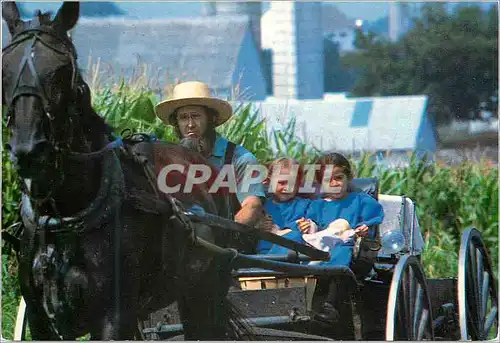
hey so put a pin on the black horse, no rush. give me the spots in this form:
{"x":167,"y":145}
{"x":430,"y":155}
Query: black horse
{"x":102,"y":246}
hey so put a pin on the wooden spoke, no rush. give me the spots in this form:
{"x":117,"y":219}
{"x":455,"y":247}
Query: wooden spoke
{"x":409,"y":314}
{"x":477,"y":290}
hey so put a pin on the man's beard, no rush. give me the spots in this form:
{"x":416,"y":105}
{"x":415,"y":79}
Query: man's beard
{"x":198,"y":144}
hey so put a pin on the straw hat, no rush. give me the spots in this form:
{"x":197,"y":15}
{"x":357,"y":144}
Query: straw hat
{"x":193,"y":93}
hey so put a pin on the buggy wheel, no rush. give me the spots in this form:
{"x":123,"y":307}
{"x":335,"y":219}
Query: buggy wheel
{"x":477,"y":290}
{"x":409,"y":314}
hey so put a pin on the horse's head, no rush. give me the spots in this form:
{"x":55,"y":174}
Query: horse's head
{"x":40,"y":81}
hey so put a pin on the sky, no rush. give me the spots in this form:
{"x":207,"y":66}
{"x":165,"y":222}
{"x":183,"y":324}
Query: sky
{"x":366,"y":10}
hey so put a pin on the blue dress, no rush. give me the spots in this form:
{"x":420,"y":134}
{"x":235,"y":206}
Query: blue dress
{"x":357,"y":209}
{"x":284,"y":215}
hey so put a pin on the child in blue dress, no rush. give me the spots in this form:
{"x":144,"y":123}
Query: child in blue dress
{"x":283,"y":204}
{"x":338,"y":205}
{"x":354,"y":212}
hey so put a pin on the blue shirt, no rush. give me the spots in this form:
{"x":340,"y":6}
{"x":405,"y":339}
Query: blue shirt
{"x":357,"y":208}
{"x":285,"y":214}
{"x":241,"y":159}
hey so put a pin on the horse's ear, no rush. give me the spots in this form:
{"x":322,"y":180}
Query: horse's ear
{"x":68,"y":14}
{"x":10,"y":14}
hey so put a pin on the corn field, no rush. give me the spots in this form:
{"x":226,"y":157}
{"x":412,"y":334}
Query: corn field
{"x":449,"y":199}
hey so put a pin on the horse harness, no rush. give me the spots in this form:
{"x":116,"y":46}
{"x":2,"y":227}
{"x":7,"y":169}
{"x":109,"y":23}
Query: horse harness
{"x":76,"y":224}
{"x":233,"y":203}
{"x":35,"y":34}
{"x":106,"y":207}
{"x":245,"y":243}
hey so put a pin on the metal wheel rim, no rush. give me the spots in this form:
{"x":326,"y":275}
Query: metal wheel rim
{"x":409,"y":294}
{"x":476,"y":286}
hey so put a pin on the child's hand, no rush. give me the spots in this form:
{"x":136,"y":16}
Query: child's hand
{"x":303,"y":225}
{"x":361,"y":231}
{"x":306,"y":225}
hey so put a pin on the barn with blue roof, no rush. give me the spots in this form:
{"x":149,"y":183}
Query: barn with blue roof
{"x":380,"y":125}
{"x":219,"y":51}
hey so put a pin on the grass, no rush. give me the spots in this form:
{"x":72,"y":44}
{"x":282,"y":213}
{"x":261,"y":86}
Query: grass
{"x":449,"y":198}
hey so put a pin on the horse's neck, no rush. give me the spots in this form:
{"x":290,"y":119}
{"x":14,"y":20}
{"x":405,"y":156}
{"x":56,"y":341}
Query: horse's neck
{"x":82,"y":177}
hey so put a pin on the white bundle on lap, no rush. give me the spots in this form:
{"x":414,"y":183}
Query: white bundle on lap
{"x":338,"y":232}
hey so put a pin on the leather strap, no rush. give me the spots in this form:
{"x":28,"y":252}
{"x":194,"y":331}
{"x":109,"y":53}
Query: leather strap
{"x":234,"y":204}
{"x":228,"y":157}
{"x":242,"y":242}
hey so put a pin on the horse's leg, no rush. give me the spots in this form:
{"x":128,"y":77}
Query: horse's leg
{"x":122,"y":325}
{"x":38,"y":323}
{"x":128,"y":325}
{"x":204,"y":311}
{"x":203,"y":305}
{"x":109,"y":329}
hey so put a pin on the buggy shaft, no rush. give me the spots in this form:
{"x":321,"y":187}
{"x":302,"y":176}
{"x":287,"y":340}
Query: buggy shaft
{"x":216,"y":221}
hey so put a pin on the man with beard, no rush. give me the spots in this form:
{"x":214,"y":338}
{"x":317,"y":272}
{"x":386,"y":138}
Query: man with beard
{"x":194,"y":114}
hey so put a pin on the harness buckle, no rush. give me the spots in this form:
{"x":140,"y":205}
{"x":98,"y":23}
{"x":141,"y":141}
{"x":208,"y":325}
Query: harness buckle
{"x":178,"y":217}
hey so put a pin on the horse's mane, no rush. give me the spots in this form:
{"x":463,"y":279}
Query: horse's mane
{"x":96,"y":122}
{"x":93,"y":120}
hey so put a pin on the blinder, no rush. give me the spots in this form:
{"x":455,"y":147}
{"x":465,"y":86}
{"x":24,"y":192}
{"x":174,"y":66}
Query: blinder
{"x":37,"y":89}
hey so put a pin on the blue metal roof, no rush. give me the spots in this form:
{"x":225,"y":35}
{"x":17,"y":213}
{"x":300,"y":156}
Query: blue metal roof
{"x":356,"y":124}
{"x":182,"y":49}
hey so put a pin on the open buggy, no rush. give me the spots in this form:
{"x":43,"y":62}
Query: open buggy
{"x":106,"y":187}
{"x":391,"y":298}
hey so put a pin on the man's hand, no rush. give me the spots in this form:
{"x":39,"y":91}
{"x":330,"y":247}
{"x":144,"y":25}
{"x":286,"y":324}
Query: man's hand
{"x":266,"y":224}
{"x":251,"y":211}
{"x":361,"y":231}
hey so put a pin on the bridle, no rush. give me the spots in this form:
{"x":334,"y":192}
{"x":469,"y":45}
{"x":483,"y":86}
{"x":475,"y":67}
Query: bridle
{"x":36,"y":35}
{"x":78,"y":88}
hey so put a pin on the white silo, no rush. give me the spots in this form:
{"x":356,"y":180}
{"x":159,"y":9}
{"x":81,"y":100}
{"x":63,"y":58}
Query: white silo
{"x":298,"y":53}
{"x":252,"y":9}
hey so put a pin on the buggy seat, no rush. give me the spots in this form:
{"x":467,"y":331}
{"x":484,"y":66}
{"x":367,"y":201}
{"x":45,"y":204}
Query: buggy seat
{"x":365,"y":251}
{"x":368,"y":252}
